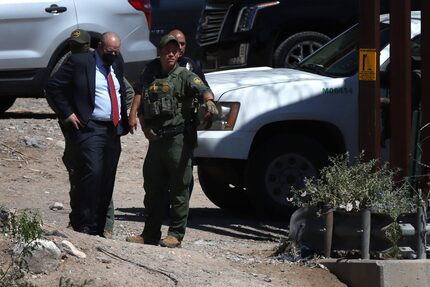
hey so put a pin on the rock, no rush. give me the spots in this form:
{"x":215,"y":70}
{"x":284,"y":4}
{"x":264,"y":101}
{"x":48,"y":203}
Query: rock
{"x":68,"y":247}
{"x":57,"y":206}
{"x":205,"y":242}
{"x":43,"y":256}
{"x":5,"y":219}
{"x":53,"y":233}
{"x":34,"y":142}
{"x":104,"y":259}
{"x":60,"y":144}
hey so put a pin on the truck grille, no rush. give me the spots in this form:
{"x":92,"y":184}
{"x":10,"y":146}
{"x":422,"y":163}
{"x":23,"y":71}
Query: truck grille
{"x":211,"y":23}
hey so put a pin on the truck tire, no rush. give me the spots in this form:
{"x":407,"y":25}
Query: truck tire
{"x":279,"y":164}
{"x":297,"y":47}
{"x":223,"y":194}
{"x":5,"y":103}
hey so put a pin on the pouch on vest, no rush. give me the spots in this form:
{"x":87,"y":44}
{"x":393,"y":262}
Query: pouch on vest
{"x":159,"y":100}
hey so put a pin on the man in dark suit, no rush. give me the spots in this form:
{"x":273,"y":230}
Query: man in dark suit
{"x":88,"y":92}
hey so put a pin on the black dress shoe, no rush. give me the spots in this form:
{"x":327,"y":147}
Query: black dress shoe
{"x":87,"y":230}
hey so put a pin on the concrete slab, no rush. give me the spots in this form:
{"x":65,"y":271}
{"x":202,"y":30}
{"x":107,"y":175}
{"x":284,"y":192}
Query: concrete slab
{"x":381,"y":273}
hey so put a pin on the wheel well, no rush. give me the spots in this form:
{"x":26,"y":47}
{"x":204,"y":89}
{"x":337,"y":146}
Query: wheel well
{"x":325,"y":133}
{"x":289,"y":29}
{"x":63,"y":48}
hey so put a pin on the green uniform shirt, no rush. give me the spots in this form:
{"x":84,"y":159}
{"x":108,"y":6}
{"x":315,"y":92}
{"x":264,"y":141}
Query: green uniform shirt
{"x":181,"y":84}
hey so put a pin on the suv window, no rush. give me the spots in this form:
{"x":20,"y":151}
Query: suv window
{"x":339,"y":58}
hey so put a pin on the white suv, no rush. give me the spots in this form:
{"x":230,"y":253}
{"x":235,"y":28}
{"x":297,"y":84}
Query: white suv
{"x":278,"y":126}
{"x":34,"y":37}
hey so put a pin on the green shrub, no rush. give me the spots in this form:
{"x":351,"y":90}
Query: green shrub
{"x":25,"y":226}
{"x":359,"y":185}
{"x":355,"y":186}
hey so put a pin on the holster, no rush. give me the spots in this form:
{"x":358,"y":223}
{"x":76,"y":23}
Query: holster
{"x":190,"y":134}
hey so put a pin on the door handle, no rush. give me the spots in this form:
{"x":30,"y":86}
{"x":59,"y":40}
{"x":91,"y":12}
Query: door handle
{"x":55,"y":9}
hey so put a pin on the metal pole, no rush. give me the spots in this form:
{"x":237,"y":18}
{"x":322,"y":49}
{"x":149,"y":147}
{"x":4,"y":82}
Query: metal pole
{"x":328,"y":235}
{"x":400,"y":85}
{"x":369,"y":86}
{"x":425,"y":93}
{"x":365,"y":236}
{"x":421,"y":230}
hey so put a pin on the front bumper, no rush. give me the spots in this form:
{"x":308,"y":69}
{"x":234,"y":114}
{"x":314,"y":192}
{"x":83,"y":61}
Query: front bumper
{"x":223,"y":144}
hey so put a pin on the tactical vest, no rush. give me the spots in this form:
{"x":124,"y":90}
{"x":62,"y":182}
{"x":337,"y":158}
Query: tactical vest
{"x":161,"y":100}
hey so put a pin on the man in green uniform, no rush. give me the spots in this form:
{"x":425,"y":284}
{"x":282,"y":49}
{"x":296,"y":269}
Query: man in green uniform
{"x":166,"y":108}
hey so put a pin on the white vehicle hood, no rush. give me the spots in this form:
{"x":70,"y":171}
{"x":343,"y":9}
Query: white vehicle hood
{"x":269,"y":95}
{"x":223,"y":81}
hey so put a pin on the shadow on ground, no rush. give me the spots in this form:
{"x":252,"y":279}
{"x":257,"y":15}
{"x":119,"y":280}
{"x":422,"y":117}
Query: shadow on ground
{"x":27,"y":115}
{"x":218,"y":221}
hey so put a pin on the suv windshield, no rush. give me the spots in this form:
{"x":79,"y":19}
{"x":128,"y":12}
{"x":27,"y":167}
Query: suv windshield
{"x":339,"y":58}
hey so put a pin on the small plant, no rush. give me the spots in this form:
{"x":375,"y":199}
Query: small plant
{"x":394,"y":203}
{"x":26,"y":227}
{"x":352,"y":187}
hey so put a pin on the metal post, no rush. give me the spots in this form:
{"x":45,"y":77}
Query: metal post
{"x":365,"y":236}
{"x":369,"y":94}
{"x":328,"y":235}
{"x":421,"y":230}
{"x":400,"y":85}
{"x":425,"y":92}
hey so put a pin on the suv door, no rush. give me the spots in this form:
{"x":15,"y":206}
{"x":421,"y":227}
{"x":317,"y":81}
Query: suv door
{"x":28,"y":18}
{"x":30,"y":33}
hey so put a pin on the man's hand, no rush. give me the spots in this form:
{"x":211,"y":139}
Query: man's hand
{"x":150,"y":134}
{"x":74,"y":121}
{"x":132,"y":117}
{"x":132,"y":122}
{"x":211,"y":110}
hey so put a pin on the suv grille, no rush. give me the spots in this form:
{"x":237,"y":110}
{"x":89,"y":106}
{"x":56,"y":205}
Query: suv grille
{"x":211,"y":23}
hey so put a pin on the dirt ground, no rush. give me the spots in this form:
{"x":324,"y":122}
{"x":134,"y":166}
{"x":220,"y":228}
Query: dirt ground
{"x":219,"y":249}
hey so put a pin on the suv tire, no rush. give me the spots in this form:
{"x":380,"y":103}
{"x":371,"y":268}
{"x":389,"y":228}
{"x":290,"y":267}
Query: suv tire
{"x":297,"y":47}
{"x":273,"y":172}
{"x":6,"y":102}
{"x":221,"y":193}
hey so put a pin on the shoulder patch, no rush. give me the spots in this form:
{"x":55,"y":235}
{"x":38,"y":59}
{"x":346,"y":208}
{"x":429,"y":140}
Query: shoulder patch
{"x":197,"y":81}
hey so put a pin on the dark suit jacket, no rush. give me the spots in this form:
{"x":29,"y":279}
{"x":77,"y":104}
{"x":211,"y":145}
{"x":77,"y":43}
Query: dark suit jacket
{"x":72,"y":88}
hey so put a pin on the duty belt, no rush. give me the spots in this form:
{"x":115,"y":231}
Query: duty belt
{"x":170,"y":131}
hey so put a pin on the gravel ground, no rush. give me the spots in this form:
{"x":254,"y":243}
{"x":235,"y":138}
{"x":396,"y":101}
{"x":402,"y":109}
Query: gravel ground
{"x":219,"y":249}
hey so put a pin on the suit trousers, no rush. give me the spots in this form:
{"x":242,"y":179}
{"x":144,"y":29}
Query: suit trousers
{"x":167,"y":173}
{"x":95,"y":152}
{"x":68,"y":163}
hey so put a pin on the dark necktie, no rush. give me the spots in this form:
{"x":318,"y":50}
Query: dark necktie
{"x":113,"y":99}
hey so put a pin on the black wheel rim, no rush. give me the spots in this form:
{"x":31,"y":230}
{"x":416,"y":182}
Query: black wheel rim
{"x":285,"y":172}
{"x":300,"y":51}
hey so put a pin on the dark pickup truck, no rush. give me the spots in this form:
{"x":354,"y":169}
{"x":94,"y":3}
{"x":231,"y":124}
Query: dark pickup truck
{"x":183,"y":15}
{"x":249,"y":33}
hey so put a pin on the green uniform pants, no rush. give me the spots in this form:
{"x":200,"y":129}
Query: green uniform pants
{"x":167,"y":172}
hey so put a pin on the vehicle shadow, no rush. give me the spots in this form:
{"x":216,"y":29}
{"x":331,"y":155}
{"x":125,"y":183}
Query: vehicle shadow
{"x":218,"y":221}
{"x":28,"y":115}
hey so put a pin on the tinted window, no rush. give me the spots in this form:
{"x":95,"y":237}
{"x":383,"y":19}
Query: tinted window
{"x":339,"y":58}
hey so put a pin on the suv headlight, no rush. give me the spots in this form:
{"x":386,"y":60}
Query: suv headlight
{"x":226,"y":118}
{"x":245,"y":20}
